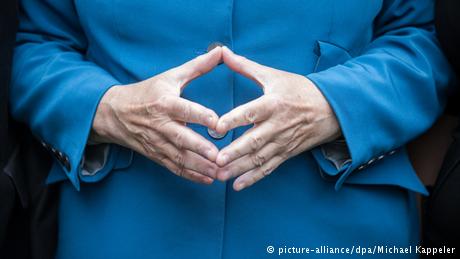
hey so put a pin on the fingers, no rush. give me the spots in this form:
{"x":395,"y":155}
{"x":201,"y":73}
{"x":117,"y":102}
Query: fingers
{"x":245,"y":67}
{"x":186,"y":173}
{"x":248,"y":162}
{"x":185,"y":138}
{"x":246,"y":114}
{"x":184,"y":159}
{"x":186,"y":111}
{"x":253,"y":140}
{"x":198,"y":66}
{"x":184,"y":164}
{"x":257,"y":174}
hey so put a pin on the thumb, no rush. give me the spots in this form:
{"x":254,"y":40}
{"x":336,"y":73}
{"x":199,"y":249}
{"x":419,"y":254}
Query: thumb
{"x":245,"y":67}
{"x":197,"y":66}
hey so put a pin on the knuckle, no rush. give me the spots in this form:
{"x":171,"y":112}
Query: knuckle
{"x":275,"y":102}
{"x":255,"y":143}
{"x":267,"y":170}
{"x":236,"y":152}
{"x":234,"y":120}
{"x":201,"y":166}
{"x":185,"y":111}
{"x":180,"y":171}
{"x":250,"y":115}
{"x":164,"y":161}
{"x":144,"y":141}
{"x":162,"y":104}
{"x":309,"y":117}
{"x":179,"y":140}
{"x":179,"y":158}
{"x":258,"y":160}
{"x":149,"y":151}
{"x":180,"y":161}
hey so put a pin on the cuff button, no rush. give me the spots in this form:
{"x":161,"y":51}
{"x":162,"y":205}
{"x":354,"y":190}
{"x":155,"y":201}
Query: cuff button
{"x":66,"y":163}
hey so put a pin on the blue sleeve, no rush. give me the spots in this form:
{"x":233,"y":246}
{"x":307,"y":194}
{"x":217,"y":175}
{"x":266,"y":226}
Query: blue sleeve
{"x":392,"y":92}
{"x":55,"y":89}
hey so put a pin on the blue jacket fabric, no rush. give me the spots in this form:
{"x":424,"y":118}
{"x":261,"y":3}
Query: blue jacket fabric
{"x":377,"y":62}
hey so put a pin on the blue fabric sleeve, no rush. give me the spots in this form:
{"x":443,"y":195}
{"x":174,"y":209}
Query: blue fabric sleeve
{"x":391,"y":92}
{"x":55,"y":88}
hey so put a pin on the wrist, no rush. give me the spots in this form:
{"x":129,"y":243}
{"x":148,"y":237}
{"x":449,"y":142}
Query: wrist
{"x":103,"y":119}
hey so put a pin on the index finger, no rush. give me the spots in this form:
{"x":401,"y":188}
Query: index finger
{"x":245,"y":67}
{"x":198,"y":66}
{"x":254,"y":111}
{"x":183,"y":137}
{"x":250,"y":142}
{"x":187,"y":111}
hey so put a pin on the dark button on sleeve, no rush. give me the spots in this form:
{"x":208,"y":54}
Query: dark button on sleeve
{"x":66,"y":163}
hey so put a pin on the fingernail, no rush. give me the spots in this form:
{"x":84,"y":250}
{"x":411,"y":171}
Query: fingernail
{"x":223,"y":125}
{"x":210,"y":154}
{"x":211,"y":172}
{"x":223,"y":175}
{"x":239,"y":186}
{"x":223,"y":159}
{"x":210,"y":120}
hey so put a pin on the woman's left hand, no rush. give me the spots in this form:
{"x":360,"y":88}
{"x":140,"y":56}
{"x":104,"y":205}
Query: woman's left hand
{"x":292,"y":116}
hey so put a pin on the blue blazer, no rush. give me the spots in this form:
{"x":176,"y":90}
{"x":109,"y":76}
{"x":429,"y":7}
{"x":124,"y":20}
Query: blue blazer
{"x":377,"y":62}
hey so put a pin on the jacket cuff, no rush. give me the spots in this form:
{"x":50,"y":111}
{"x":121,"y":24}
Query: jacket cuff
{"x":360,"y":155}
{"x":116,"y":158}
{"x":336,"y":152}
{"x":69,"y":146}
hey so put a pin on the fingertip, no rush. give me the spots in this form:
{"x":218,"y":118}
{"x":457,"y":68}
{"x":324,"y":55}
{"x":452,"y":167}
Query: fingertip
{"x":216,"y":51}
{"x":212,"y":153}
{"x":226,"y":52}
{"x":208,"y":180}
{"x":222,"y":176}
{"x":227,"y":49}
{"x":238,"y":186}
{"x":212,"y":119}
{"x":222,"y":159}
{"x":221,"y":127}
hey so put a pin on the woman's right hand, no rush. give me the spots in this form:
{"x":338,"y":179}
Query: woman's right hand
{"x":149,"y":117}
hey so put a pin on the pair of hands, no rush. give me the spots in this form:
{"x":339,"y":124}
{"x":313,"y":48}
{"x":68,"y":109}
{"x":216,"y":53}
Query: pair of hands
{"x":150,"y":118}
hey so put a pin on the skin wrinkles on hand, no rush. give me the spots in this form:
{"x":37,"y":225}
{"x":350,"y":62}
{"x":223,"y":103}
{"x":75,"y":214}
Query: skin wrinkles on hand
{"x":292,"y":116}
{"x":149,"y":117}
